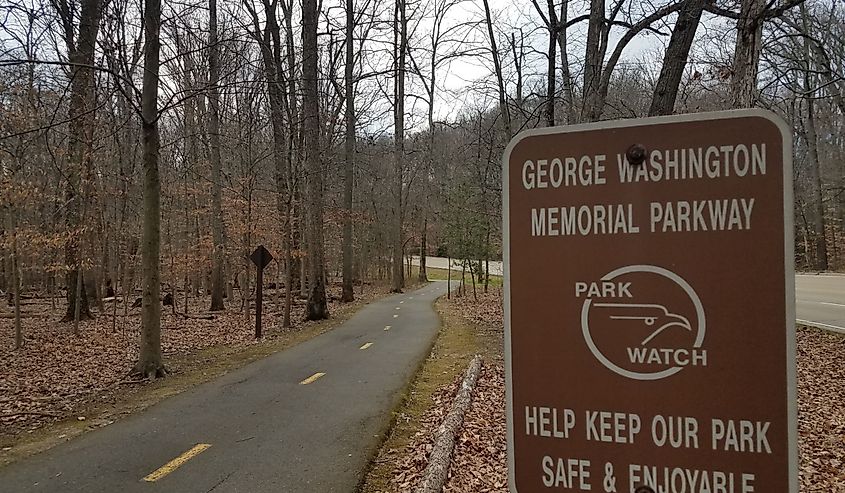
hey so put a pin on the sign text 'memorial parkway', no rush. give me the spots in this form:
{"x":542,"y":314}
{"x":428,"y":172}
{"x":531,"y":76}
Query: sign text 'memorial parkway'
{"x":649,"y":306}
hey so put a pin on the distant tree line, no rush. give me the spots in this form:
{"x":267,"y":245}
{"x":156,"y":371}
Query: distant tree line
{"x":154,"y":146}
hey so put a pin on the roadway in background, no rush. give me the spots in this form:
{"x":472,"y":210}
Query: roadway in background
{"x":819,"y":298}
{"x":820,"y":301}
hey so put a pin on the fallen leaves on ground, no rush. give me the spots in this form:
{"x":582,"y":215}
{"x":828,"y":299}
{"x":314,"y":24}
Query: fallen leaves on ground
{"x":411,"y":461}
{"x":479,"y":462}
{"x":486,"y":311}
{"x":56,"y":373}
{"x":821,"y":410}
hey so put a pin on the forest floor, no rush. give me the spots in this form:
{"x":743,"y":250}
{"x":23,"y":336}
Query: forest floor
{"x":479,"y":463}
{"x":60,"y":385}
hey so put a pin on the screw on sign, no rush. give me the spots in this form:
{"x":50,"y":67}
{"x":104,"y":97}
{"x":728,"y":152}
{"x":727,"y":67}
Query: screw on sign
{"x":261,"y":257}
{"x":649,"y":300}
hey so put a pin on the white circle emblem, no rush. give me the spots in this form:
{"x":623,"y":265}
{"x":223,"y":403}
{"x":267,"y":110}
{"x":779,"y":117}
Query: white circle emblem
{"x":647,"y":320}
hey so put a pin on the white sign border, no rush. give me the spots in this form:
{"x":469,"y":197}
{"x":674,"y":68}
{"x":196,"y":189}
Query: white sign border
{"x":788,"y":252}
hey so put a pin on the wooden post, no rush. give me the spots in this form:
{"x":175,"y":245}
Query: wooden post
{"x":260,"y":257}
{"x":449,"y":277}
{"x":259,"y":293}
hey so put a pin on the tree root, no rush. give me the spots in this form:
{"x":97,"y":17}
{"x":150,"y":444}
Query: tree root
{"x":148,"y":371}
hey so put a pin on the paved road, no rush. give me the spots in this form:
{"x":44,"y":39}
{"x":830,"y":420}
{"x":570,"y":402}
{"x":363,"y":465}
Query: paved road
{"x":443,"y":263}
{"x":267,"y":430}
{"x":820,"y":300}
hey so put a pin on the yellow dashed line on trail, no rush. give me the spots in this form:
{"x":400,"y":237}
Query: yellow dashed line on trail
{"x":396,"y":316}
{"x":365,"y":346}
{"x":386,"y":327}
{"x":176,"y":463}
{"x":313,"y":378}
{"x":401,"y":302}
{"x":398,"y":307}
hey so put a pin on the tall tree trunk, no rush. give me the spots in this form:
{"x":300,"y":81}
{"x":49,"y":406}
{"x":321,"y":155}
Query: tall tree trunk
{"x":295,"y":232}
{"x":400,"y":38}
{"x":81,"y":115}
{"x":217,"y":227}
{"x":171,"y":278}
{"x":293,"y":163}
{"x":551,"y":76}
{"x":675,"y":58}
{"x":423,"y":275}
{"x":818,"y":219}
{"x":518,"y":56}
{"x":317,"y":307}
{"x":593,"y":62}
{"x":77,"y":307}
{"x":817,"y":197}
{"x":487,"y":258}
{"x":349,"y":149}
{"x":497,"y":67}
{"x":595,"y":100}
{"x":749,"y":43}
{"x":15,"y":268}
{"x":565,"y":72}
{"x":303,"y":240}
{"x":5,"y":255}
{"x":472,"y":277}
{"x":271,"y":52}
{"x":288,"y":241}
{"x":246,"y":290}
{"x":149,"y":358}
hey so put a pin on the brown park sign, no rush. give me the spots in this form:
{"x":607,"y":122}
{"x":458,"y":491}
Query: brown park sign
{"x":649,"y":309}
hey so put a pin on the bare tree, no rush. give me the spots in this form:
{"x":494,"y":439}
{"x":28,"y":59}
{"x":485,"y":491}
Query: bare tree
{"x":441,"y":34}
{"x":553,"y":27}
{"x":149,"y":359}
{"x":317,"y":307}
{"x":675,"y":58}
{"x":497,"y":67}
{"x":749,"y":43}
{"x":217,"y":226}
{"x":348,"y":293}
{"x":81,"y":131}
{"x":810,"y":87}
{"x":296,"y":233}
{"x":400,"y":37}
{"x":597,"y":72}
{"x":269,"y":40}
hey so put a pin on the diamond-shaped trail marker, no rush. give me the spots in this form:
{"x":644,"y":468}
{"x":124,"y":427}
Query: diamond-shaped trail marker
{"x":261,"y":257}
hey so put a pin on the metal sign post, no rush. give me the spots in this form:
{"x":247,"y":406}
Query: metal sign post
{"x":260,"y":257}
{"x":649,"y":306}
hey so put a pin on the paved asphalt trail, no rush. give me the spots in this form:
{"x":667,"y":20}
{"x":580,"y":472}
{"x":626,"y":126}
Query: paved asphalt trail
{"x":267,"y":431}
